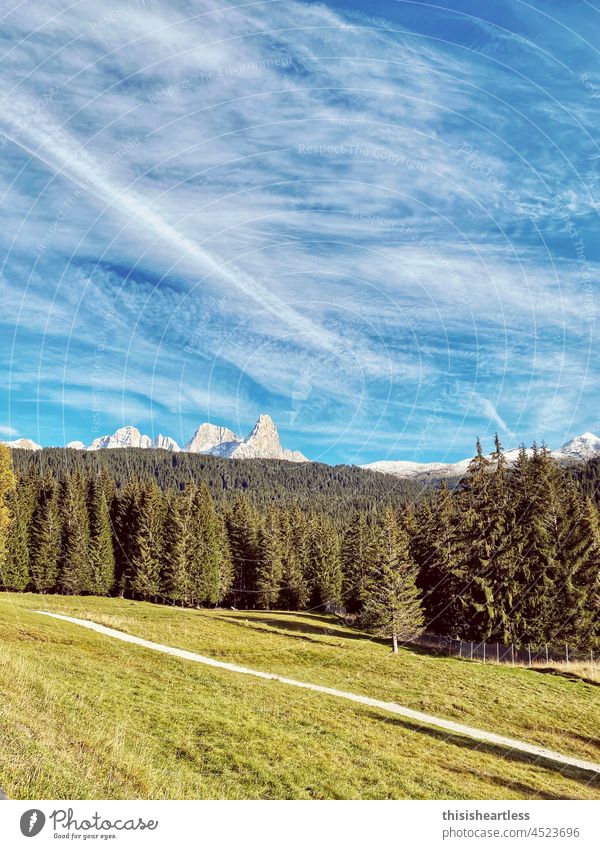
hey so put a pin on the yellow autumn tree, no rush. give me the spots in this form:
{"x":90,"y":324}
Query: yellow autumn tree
{"x":7,"y":485}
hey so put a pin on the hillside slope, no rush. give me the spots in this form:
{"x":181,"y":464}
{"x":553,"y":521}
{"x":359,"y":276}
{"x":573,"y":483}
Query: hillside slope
{"x":117,"y":721}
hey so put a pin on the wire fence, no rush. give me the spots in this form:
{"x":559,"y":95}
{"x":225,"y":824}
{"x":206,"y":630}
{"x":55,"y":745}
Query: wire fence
{"x":503,"y":653}
{"x":489,"y":652}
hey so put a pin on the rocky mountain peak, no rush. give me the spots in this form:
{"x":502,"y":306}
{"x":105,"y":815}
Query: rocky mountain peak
{"x":209,"y":436}
{"x":167,"y":443}
{"x":124,"y":437}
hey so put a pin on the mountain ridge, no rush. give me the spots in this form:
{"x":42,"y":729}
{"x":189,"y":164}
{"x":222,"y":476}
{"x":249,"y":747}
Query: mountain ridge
{"x":580,"y":448}
{"x":262,"y":442}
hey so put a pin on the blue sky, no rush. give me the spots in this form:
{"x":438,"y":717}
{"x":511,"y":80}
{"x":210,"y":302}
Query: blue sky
{"x":375,"y":221}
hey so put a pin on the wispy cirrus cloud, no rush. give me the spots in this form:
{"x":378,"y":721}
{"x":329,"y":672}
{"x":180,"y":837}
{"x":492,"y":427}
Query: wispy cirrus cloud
{"x":300,"y":208}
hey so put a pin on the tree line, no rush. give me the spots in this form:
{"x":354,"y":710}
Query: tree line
{"x":511,"y":554}
{"x":332,"y":490}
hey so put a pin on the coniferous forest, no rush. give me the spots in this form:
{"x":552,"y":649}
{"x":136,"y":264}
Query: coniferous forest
{"x":508,"y":554}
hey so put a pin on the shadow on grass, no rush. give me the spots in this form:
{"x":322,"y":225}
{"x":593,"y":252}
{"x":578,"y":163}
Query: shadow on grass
{"x":301,"y":629}
{"x":563,"y":673}
{"x":583,"y":776}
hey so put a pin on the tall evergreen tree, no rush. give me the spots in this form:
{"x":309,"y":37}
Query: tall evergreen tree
{"x":205,"y":555}
{"x":356,"y":561}
{"x":74,"y":577}
{"x":535,"y":540}
{"x":125,"y":515}
{"x":393,"y":605}
{"x":475,"y":568}
{"x":242,"y":532}
{"x":15,"y":574}
{"x":575,"y":614}
{"x":44,"y":539}
{"x":270,"y":564}
{"x":437,"y":548}
{"x":147,"y":556}
{"x":101,"y":553}
{"x":179,"y":544}
{"x":325,"y":568}
{"x":295,"y":591}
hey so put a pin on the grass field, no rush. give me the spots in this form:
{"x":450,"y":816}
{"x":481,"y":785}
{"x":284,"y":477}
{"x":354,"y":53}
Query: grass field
{"x":86,"y":716}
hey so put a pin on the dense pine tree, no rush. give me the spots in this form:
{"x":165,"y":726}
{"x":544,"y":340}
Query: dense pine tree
{"x":437,"y":548}
{"x":147,"y":554}
{"x":535,"y":546}
{"x":577,"y":576}
{"x":393,"y":605}
{"x":242,"y":531}
{"x":294,"y":532}
{"x":178,"y":545}
{"x":205,"y":556}
{"x":324,"y":565}
{"x":356,"y":561}
{"x":101,"y":553}
{"x":45,"y":538}
{"x":15,"y":573}
{"x":74,"y":573}
{"x":269,"y":574}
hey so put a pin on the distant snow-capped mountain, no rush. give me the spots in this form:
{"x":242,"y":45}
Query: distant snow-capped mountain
{"x":28,"y":444}
{"x":129,"y":437}
{"x":209,"y":436}
{"x":167,"y":443}
{"x":579,"y":449}
{"x":583,"y":447}
{"x":124,"y":437}
{"x":261,"y":443}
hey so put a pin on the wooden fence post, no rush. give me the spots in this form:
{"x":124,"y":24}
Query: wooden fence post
{"x":512,"y":653}
{"x":471,"y":649}
{"x":529,"y":653}
{"x":498,"y":652}
{"x":567,"y":652}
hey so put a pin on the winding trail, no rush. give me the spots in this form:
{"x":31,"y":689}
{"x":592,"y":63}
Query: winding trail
{"x":389,"y":707}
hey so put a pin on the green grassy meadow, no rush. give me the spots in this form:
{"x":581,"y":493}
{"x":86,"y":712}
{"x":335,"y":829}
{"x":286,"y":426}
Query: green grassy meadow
{"x":86,"y":716}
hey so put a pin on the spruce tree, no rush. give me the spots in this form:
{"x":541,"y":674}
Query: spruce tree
{"x":44,"y":539}
{"x":205,"y":554}
{"x":125,"y":518}
{"x":475,"y":565}
{"x":392,"y":605}
{"x":325,"y":569}
{"x":101,"y":553}
{"x":225,"y":562}
{"x":74,"y":577}
{"x":536,"y":481}
{"x":356,"y":562}
{"x":15,"y":574}
{"x":270,"y":564}
{"x":438,"y":549}
{"x":147,"y":556}
{"x":294,"y":535}
{"x":242,"y":532}
{"x":178,"y":546}
{"x":575,"y":615}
